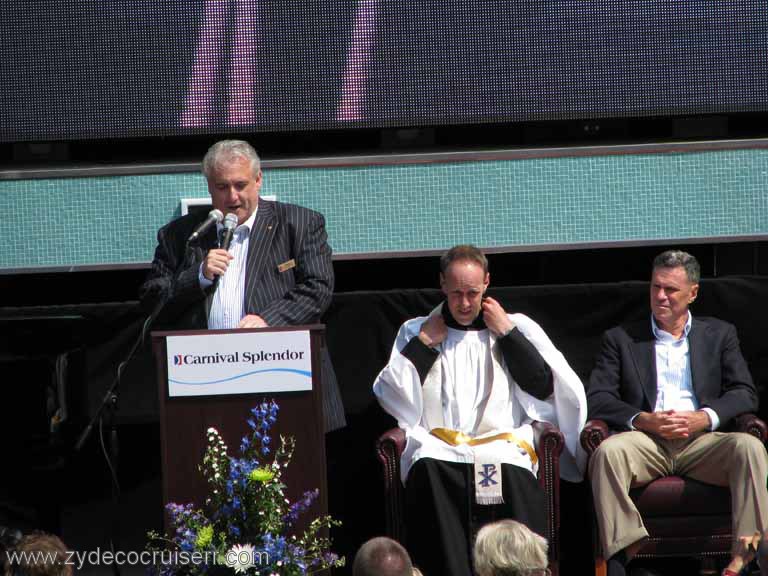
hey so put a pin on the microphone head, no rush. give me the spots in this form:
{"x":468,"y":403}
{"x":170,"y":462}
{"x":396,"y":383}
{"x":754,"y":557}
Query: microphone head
{"x":213,"y":216}
{"x":230,"y":221}
{"x":216,"y":215}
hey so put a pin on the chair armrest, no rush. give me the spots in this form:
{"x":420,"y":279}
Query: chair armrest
{"x":392,"y":442}
{"x":549,"y":442}
{"x":751,"y":424}
{"x":594,"y":432}
{"x":389,"y":447}
{"x":547,"y":439}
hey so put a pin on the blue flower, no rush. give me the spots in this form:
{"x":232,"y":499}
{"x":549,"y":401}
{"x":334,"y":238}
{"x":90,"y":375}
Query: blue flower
{"x":300,"y":506}
{"x":242,"y":509}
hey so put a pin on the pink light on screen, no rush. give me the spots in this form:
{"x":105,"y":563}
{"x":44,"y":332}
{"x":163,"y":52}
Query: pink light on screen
{"x":202,"y":84}
{"x":356,"y":72}
{"x":242,"y":92}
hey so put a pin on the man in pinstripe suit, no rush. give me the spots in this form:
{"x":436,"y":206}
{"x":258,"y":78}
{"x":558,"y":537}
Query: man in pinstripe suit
{"x":276,"y":272}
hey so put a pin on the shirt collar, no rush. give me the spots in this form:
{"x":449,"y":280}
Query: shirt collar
{"x":477,"y":324}
{"x":248,"y":224}
{"x":660,"y":334}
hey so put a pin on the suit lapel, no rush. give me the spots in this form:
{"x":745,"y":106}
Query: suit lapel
{"x":259,"y":243}
{"x":644,"y":355}
{"x":697,"y":350}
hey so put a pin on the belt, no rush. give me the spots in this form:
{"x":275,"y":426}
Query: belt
{"x":455,"y":437}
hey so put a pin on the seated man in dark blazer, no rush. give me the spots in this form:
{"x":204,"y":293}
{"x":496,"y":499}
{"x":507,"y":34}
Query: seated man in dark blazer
{"x":669,"y":383}
{"x":276,"y":271}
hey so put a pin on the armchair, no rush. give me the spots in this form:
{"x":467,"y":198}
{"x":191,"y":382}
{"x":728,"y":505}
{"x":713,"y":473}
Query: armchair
{"x":683,"y":517}
{"x":549,"y":444}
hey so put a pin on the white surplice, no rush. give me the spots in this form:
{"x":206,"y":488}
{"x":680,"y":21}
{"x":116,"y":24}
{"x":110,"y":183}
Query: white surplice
{"x":469,"y":389}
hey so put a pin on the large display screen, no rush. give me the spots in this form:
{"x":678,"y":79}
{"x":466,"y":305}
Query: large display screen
{"x":74,"y":69}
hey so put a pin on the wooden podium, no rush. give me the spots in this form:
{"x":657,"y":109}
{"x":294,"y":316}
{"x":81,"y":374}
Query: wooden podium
{"x":184,"y":421}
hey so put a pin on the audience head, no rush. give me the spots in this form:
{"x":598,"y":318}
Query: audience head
{"x":382,"y":556}
{"x":509,"y":548}
{"x":40,"y":554}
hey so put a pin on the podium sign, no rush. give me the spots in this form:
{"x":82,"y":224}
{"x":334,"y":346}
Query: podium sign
{"x":239,"y":363}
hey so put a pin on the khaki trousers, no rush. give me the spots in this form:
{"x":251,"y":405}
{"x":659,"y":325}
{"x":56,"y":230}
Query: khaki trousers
{"x":631,"y":459}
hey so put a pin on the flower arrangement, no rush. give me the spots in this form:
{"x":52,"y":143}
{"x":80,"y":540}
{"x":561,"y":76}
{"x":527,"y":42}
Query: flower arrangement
{"x":248,"y":525}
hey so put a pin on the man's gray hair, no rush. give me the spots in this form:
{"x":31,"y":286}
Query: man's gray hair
{"x":509,"y":548}
{"x":463,"y":252}
{"x":228,"y":151}
{"x":382,"y":556}
{"x":676,"y":259}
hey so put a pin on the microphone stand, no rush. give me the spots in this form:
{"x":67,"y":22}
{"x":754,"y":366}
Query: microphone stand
{"x":107,"y":410}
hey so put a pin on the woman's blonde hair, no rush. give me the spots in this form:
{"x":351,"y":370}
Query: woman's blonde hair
{"x":509,"y":548}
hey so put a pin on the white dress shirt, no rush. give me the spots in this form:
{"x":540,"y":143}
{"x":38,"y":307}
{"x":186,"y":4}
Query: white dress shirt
{"x":227,"y":306}
{"x":674,"y":384}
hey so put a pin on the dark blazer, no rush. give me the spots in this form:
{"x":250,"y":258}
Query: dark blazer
{"x":278,"y":292}
{"x":623,"y":381}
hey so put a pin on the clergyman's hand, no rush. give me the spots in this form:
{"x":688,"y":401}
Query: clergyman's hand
{"x":495,"y":317}
{"x":216,"y":262}
{"x":433,"y":331}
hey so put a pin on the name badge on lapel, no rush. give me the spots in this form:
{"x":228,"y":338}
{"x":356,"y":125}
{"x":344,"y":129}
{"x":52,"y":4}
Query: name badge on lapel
{"x":286,"y":265}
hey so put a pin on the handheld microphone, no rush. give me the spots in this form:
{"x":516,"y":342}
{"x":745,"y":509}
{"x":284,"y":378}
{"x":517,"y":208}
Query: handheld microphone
{"x":230,"y":223}
{"x":214,"y":217}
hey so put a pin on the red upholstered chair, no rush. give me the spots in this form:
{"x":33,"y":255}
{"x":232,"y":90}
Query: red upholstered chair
{"x":683,"y":517}
{"x":549,"y":444}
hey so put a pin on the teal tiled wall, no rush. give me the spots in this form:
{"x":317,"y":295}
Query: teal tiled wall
{"x":502,"y":203}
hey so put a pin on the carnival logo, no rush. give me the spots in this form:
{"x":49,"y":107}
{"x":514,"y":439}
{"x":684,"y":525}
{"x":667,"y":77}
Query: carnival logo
{"x":254,"y":357}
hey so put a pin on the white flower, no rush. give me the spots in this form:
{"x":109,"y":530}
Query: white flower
{"x":240,"y":557}
{"x":212,"y":430}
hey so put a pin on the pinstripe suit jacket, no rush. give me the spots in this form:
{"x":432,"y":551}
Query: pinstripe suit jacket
{"x":296,"y":295}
